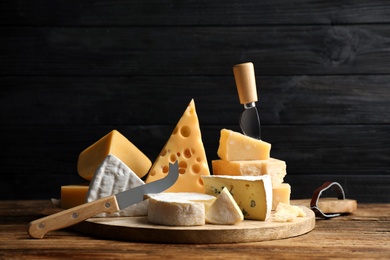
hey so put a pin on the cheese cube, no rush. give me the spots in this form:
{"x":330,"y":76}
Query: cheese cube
{"x":234,"y":146}
{"x":273,"y":167}
{"x":73,"y":195}
{"x":112,"y":143}
{"x":282,"y":194}
{"x":253,"y":194}
{"x":185,"y":146}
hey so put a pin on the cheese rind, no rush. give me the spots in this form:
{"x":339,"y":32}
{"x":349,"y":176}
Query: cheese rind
{"x":281,"y":193}
{"x":273,"y":167}
{"x":234,"y":146}
{"x":73,"y":195}
{"x":253,"y":194}
{"x":112,"y":143}
{"x":111,"y":177}
{"x":224,"y":210}
{"x":185,"y":146}
{"x":178,"y":208}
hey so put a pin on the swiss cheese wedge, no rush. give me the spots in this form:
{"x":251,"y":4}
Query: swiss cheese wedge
{"x":185,"y":146}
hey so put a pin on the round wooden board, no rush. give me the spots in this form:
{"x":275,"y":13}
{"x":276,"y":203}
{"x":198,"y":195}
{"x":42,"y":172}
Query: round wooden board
{"x":138,"y":229}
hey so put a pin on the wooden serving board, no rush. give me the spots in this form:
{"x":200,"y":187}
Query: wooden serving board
{"x":138,"y":229}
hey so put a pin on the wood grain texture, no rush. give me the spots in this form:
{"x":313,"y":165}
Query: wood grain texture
{"x":72,"y":71}
{"x":362,"y":235}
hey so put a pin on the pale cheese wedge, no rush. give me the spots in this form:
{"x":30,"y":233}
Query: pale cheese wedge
{"x":224,"y":210}
{"x":178,"y":208}
{"x":111,"y":177}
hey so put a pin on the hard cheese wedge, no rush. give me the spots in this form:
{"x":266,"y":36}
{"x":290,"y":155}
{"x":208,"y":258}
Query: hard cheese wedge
{"x":234,"y":146}
{"x":184,"y":145}
{"x":73,"y":195}
{"x":178,"y":208}
{"x":116,"y":144}
{"x":111,"y":177}
{"x":273,"y":167}
{"x":224,"y":210}
{"x":253,"y":194}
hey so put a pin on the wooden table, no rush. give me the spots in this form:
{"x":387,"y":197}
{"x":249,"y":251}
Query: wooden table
{"x":364,"y":234}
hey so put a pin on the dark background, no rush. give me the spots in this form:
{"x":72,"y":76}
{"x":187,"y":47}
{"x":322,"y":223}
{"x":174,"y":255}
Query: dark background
{"x":72,"y":71}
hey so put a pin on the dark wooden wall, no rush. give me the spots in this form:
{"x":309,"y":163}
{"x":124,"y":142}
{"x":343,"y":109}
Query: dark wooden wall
{"x":71,"y":71}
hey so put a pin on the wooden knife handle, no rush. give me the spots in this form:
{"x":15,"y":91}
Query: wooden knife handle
{"x":38,"y":228}
{"x":244,"y":75}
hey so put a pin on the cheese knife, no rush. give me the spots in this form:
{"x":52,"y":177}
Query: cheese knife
{"x":244,"y":75}
{"x":111,"y":204}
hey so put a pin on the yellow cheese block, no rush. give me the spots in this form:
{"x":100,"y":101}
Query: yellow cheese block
{"x":253,"y":194}
{"x":116,"y":144}
{"x":185,"y":146}
{"x":73,"y":195}
{"x":281,"y":194}
{"x":273,"y":167}
{"x":234,"y":146}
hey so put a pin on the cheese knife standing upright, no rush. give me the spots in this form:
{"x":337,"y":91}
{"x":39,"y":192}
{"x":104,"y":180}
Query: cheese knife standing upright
{"x":244,"y":75}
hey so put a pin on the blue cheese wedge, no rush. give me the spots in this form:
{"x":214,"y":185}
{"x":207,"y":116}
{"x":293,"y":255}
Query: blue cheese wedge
{"x":253,"y":194}
{"x":111,"y":177}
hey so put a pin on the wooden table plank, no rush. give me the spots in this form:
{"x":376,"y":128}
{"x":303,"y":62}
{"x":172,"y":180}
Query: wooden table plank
{"x":363,"y":234}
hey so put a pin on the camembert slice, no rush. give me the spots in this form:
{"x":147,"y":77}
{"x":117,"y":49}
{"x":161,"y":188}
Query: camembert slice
{"x":185,"y":146}
{"x":178,"y":208}
{"x":253,"y":194}
{"x":224,"y":210}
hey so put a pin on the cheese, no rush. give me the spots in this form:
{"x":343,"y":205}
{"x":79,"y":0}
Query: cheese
{"x":253,"y":194}
{"x":111,"y":177}
{"x":178,"y":208}
{"x":185,"y":146}
{"x":112,"y":143}
{"x":273,"y":167}
{"x":224,"y":210}
{"x":285,"y":212}
{"x":73,"y":195}
{"x":234,"y":146}
{"x":282,"y":194}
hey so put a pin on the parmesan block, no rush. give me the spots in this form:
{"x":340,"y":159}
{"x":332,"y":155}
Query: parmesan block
{"x":185,"y":146}
{"x":116,"y":144}
{"x":73,"y":195}
{"x":253,"y":194}
{"x":224,"y":210}
{"x":282,"y":194}
{"x":234,"y":146}
{"x":111,"y":177}
{"x":178,"y":208}
{"x":273,"y":167}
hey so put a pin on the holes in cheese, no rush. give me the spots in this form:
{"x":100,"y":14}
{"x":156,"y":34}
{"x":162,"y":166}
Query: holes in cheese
{"x":178,"y":208}
{"x":273,"y":167}
{"x":253,"y":194}
{"x":234,"y":146}
{"x":184,"y":145}
{"x":116,"y":144}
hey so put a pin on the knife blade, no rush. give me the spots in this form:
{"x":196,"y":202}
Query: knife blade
{"x":111,"y":204}
{"x":244,"y":75}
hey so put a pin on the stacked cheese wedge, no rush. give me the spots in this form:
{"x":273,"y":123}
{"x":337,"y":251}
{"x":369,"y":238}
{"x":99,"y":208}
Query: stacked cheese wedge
{"x":242,"y":155}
